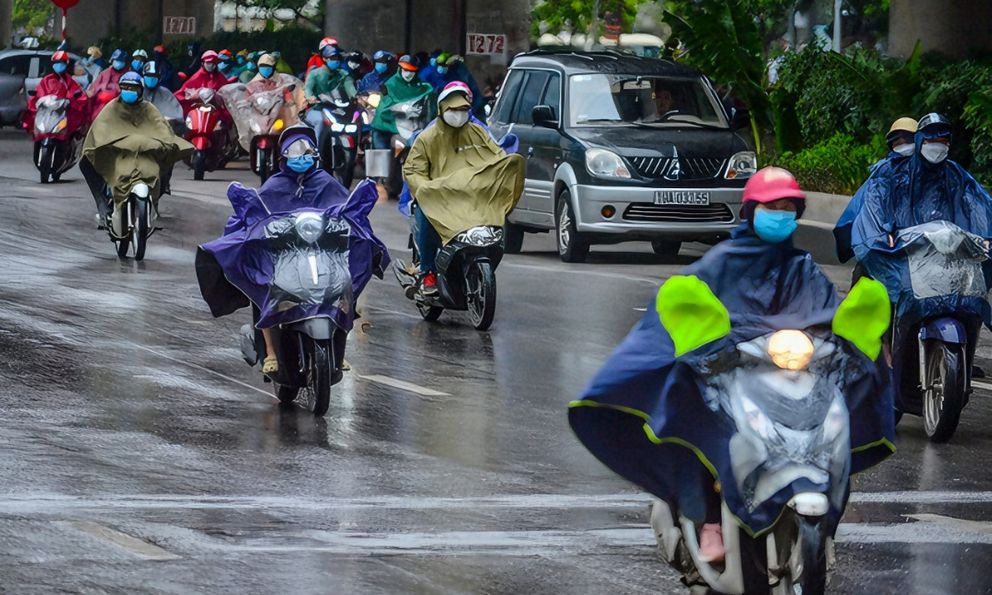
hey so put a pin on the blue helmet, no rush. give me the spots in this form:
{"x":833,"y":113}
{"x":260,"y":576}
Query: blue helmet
{"x":118,"y":54}
{"x":382,"y":56}
{"x":131,"y":79}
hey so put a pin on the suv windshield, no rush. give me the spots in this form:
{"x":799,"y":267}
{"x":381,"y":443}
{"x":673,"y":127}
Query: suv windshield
{"x":618,"y":99}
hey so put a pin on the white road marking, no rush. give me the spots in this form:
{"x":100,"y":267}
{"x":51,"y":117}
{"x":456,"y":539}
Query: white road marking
{"x":922,"y":497}
{"x":402,"y":385}
{"x":981,"y":385}
{"x":202,"y":369}
{"x":133,"y":545}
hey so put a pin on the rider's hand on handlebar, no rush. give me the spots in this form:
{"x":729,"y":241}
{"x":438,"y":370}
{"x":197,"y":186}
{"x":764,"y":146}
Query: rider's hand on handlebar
{"x":892,"y":241}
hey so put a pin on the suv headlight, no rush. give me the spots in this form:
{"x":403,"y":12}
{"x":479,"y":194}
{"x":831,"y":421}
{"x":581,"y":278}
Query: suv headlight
{"x":606,"y":164}
{"x":309,"y":226}
{"x":742,"y":165}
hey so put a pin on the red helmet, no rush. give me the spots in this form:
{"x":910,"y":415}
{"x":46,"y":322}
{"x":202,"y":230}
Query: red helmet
{"x":209,"y":56}
{"x":771,"y":184}
{"x":60,"y":56}
{"x":226,"y":53}
{"x":326,"y":42}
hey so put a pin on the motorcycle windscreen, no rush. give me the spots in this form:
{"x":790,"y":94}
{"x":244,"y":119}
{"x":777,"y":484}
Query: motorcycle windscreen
{"x":944,"y":260}
{"x":254,"y":113}
{"x":51,"y":116}
{"x":310,"y":265}
{"x":410,"y":116}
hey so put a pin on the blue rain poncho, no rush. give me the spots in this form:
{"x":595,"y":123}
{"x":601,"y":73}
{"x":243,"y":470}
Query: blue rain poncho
{"x":842,"y":231}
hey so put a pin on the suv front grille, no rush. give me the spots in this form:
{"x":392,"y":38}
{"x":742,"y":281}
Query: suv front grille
{"x":683,"y":168}
{"x":644,"y":211}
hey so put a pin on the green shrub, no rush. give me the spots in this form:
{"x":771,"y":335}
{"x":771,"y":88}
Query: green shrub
{"x":838,"y":165}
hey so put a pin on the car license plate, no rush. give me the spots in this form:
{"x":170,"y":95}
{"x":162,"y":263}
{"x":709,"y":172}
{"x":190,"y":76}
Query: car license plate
{"x":681,"y":197}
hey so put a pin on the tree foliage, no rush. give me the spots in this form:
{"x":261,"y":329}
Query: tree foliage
{"x":31,"y":14}
{"x":302,"y":9}
{"x":576,"y":15}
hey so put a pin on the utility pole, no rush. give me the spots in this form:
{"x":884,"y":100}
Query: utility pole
{"x":838,"y":6}
{"x":6,"y":27}
{"x":593,"y":35}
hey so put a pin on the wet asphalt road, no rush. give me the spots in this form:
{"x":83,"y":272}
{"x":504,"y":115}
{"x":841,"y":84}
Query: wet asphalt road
{"x":140,"y":454}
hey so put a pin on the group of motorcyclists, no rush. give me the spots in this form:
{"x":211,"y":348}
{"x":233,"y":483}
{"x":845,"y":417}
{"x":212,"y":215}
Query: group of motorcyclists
{"x":301,"y":248}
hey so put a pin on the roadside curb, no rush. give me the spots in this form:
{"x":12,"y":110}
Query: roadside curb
{"x":815,"y":234}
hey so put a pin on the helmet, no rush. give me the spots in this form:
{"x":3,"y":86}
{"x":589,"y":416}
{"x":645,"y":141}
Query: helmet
{"x":358,"y":57}
{"x":150,"y":69}
{"x":330,"y":51}
{"x":770,"y":184}
{"x":159,"y":49}
{"x":899,"y":127}
{"x":451,"y":60}
{"x":296,"y":133}
{"x":934,"y":125}
{"x":132,"y":81}
{"x":60,"y":56}
{"x":382,"y":56}
{"x":209,"y":56}
{"x":140,"y":54}
{"x":267,"y":60}
{"x":118,"y":54}
{"x":94,"y":52}
{"x":243,"y":53}
{"x":408,"y":63}
{"x":460,"y":87}
{"x":225,"y":54}
{"x":326,"y":42}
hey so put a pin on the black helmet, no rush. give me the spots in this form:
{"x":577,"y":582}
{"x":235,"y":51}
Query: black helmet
{"x":408,"y":62}
{"x":934,"y":124}
{"x":151,"y":69}
{"x":354,"y":57}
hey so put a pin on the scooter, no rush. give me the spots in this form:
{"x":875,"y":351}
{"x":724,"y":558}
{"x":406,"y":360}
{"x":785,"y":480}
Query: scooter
{"x":310,"y":252}
{"x":132,"y":222}
{"x":56,"y":147}
{"x":260,"y":118}
{"x":214,"y":144}
{"x":466,"y":276}
{"x":341,"y":138}
{"x":935,"y":358}
{"x":411,"y":118}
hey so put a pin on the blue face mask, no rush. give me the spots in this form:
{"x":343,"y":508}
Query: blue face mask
{"x":433,"y":61}
{"x":151,"y":82}
{"x":266,"y":71}
{"x":119,"y":64}
{"x":252,"y":67}
{"x":381,"y":68}
{"x":333,"y":64}
{"x":59,"y":67}
{"x":442,"y":70}
{"x":300,"y":164}
{"x":774,"y":226}
{"x":136,"y":64}
{"x":130,"y":97}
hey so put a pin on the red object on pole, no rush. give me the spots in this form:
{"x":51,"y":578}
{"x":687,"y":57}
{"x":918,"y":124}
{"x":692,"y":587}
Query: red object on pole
{"x":65,"y":5}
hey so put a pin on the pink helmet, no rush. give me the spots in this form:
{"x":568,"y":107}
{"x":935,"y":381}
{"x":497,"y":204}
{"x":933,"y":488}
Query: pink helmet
{"x":210,"y":56}
{"x":454,"y":87}
{"x":326,"y":42}
{"x":770,"y":184}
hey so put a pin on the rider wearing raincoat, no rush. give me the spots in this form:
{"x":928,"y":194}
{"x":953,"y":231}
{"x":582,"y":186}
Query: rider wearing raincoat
{"x":59,"y":83}
{"x":238,"y":98}
{"x":459,"y":177}
{"x":644,"y":414}
{"x":402,"y":87}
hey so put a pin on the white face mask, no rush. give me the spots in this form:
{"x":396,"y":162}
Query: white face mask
{"x":905,"y":149}
{"x":455,"y":119}
{"x":408,"y":75}
{"x":935,"y":152}
{"x":210,"y":67}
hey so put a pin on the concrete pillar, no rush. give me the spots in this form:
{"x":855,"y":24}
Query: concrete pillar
{"x":953,"y":28}
{"x":93,"y":19}
{"x":6,"y":16}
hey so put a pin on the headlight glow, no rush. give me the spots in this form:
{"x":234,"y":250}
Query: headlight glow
{"x":606,"y":164}
{"x":790,"y":350}
{"x":255,"y":128}
{"x":335,"y":127}
{"x":309,"y":226}
{"x":278,"y":125}
{"x":351,"y":128}
{"x":742,"y":165}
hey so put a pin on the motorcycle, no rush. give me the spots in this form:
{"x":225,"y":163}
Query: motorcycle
{"x":132,"y":222}
{"x":214,"y":144}
{"x":261,"y":116}
{"x":947,"y":271}
{"x":781,"y":398}
{"x":341,"y":138}
{"x":411,"y":118}
{"x":466,"y":276}
{"x":56,"y":147}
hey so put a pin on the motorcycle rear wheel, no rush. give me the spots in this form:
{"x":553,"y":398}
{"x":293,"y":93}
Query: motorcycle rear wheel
{"x":139,"y":228}
{"x":945,"y":397}
{"x":428,"y":312}
{"x":45,"y":163}
{"x":199,"y":165}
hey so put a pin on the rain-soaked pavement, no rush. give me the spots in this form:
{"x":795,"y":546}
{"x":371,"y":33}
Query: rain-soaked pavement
{"x":139,"y":454}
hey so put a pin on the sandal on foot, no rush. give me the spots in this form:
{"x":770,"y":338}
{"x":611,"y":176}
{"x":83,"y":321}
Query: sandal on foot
{"x":270,"y":365}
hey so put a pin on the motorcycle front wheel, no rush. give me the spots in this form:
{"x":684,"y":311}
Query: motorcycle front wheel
{"x":139,"y":228}
{"x":199,"y":165}
{"x":124,"y":243}
{"x":46,"y":161}
{"x":944,"y":398}
{"x":264,"y":165}
{"x":481,"y":295}
{"x":316,"y":395}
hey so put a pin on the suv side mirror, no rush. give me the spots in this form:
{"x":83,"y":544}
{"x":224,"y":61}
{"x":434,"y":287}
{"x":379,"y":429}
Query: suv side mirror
{"x":739,"y":118}
{"x":544,"y":116}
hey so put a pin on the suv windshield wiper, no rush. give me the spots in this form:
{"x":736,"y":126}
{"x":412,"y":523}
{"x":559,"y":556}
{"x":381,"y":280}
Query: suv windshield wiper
{"x":687,"y":122}
{"x":601,"y":120}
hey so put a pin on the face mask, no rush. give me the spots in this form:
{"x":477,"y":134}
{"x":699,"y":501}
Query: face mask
{"x":774,"y":226}
{"x":455,"y":119}
{"x":300,"y":164}
{"x":151,"y":82}
{"x":407,"y":75}
{"x":241,"y":61}
{"x":119,"y":64}
{"x":381,"y":68}
{"x":130,"y":97}
{"x":252,"y":67}
{"x":433,"y":61}
{"x":935,"y":152}
{"x":333,"y":64}
{"x":59,"y":67}
{"x":210,"y":67}
{"x":442,"y":70}
{"x":905,"y":150}
{"x":137,"y":64}
{"x":266,"y":71}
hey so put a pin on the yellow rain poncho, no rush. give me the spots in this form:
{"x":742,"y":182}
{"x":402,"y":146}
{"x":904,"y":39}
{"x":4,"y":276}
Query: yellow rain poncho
{"x":132,"y":143}
{"x":460,"y":177}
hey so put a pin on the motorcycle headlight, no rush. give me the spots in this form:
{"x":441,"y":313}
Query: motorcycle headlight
{"x":309,"y":226}
{"x":189,"y":121}
{"x":374,"y":99}
{"x":606,"y":164}
{"x":278,"y":125}
{"x":255,"y":128}
{"x":351,"y":128}
{"x":742,"y":165}
{"x":61,"y":125}
{"x":790,"y":350}
{"x":335,"y":127}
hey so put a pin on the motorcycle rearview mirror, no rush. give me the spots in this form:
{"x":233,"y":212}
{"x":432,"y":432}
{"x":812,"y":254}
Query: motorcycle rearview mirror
{"x":691,"y":313}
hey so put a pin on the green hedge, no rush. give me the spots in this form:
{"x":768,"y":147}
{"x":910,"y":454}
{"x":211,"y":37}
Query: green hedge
{"x":838,"y":165}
